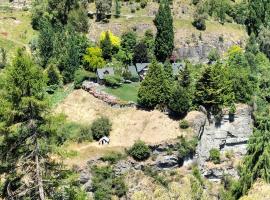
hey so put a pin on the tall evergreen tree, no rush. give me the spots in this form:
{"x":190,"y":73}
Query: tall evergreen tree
{"x":155,"y":89}
{"x":164,"y":42}
{"x":23,"y":154}
{"x":106,"y":46}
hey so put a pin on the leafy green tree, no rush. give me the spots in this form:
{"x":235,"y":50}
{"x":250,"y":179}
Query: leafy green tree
{"x":155,"y":88}
{"x":103,"y":7}
{"x":101,"y":127}
{"x":93,"y":58}
{"x":149,"y":41}
{"x":107,"y":47}
{"x":164,"y":42}
{"x":78,"y":19}
{"x":264,"y":41}
{"x":129,"y":41}
{"x":139,"y":151}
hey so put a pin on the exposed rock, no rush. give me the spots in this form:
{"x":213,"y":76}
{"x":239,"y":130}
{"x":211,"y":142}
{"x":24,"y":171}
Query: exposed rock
{"x":227,"y":135}
{"x":84,"y":177}
{"x":122,"y":167}
{"x":167,"y":162}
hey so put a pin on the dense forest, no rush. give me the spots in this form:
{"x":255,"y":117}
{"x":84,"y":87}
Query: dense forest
{"x":32,"y":135}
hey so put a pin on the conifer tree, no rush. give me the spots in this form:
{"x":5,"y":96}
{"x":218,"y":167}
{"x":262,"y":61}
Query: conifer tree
{"x":106,"y":46}
{"x":155,"y":89}
{"x":28,"y":135}
{"x":164,"y":42}
{"x":140,"y":53}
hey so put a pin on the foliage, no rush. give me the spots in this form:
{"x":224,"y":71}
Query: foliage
{"x":54,"y":76}
{"x":112,"y":157}
{"x":93,"y":59}
{"x":139,"y":151}
{"x":180,"y":100}
{"x":183,"y":124}
{"x":129,"y":41}
{"x":113,"y":80}
{"x":103,"y":8}
{"x":264,"y":41}
{"x":213,"y":56}
{"x":82,"y":75}
{"x":155,"y":88}
{"x":107,"y":47}
{"x":155,"y":175}
{"x":140,"y":53}
{"x":78,"y":19}
{"x":117,"y":8}
{"x":106,"y":184}
{"x":164,"y":42}
{"x":200,"y":16}
{"x":215,"y":156}
{"x":29,"y":135}
{"x":149,"y":41}
{"x":116,"y":41}
{"x":186,"y":147}
{"x":101,"y":127}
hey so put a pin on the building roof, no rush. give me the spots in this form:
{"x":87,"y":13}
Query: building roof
{"x":132,"y":70}
{"x":177,"y":67}
{"x":102,"y":72}
{"x":141,"y":66}
{"x":105,"y":138}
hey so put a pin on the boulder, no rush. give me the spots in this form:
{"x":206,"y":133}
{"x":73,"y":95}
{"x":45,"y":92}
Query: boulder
{"x":167,"y":162}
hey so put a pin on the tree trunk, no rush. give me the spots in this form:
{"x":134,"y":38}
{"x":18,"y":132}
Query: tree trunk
{"x":39,"y":176}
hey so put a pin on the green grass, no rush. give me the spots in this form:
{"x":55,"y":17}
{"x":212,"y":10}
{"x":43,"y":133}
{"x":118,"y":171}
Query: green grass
{"x":127,"y":92}
{"x":60,"y":94}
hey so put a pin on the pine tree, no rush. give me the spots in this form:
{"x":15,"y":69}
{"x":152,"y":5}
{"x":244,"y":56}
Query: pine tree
{"x":164,"y":42}
{"x":106,"y":46}
{"x":155,"y":89}
{"x":28,"y":135}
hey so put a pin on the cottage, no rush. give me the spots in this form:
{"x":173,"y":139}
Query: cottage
{"x":104,"y":140}
{"x":142,"y":69}
{"x":177,"y":67}
{"x":102,"y":72}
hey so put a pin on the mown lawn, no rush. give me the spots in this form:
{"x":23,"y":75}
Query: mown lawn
{"x":127,"y":92}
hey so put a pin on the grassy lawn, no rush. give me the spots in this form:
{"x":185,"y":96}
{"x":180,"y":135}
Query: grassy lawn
{"x":127,"y":92}
{"x":60,"y":94}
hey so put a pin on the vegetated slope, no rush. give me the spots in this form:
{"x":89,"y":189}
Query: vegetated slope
{"x":259,"y":191}
{"x":15,"y":29}
{"x":185,"y":33}
{"x":128,"y":124}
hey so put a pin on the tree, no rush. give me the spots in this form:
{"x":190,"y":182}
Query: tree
{"x":129,"y":41}
{"x":155,"y":89}
{"x":106,"y":46}
{"x":117,"y":8}
{"x":103,"y":7}
{"x":258,"y":15}
{"x":78,"y":19}
{"x":93,"y":58}
{"x":149,"y":41}
{"x":164,"y":42}
{"x":140,"y":53}
{"x":23,"y":153}
{"x":54,"y":76}
{"x":264,"y":41}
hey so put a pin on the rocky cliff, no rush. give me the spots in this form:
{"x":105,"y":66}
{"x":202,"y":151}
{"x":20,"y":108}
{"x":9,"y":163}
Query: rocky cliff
{"x":231,"y":135}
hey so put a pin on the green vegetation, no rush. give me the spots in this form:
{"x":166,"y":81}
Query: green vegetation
{"x":139,"y":151}
{"x":113,"y":157}
{"x":60,"y":94}
{"x":101,"y":127}
{"x":183,"y":124}
{"x":186,"y":148}
{"x":106,"y":184}
{"x":127,"y":92}
{"x":215,"y":156}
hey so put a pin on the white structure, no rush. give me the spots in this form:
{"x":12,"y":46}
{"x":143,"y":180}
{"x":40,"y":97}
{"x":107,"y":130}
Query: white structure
{"x":104,"y":140}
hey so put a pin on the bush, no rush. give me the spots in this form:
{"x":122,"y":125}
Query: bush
{"x":112,"y":157}
{"x":199,"y":23}
{"x":186,"y":148}
{"x":82,"y":75}
{"x":183,"y":124}
{"x":215,"y":156}
{"x":143,"y":3}
{"x":139,"y":151}
{"x":101,"y":127}
{"x":113,"y":80}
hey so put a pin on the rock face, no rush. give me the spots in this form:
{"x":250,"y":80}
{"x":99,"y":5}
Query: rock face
{"x":230,"y":134}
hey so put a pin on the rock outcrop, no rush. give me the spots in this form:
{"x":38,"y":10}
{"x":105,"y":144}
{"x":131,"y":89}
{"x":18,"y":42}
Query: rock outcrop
{"x":231,"y":134}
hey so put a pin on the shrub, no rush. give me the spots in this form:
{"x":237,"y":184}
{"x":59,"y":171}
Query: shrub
{"x":183,"y":124}
{"x":101,"y":127}
{"x":186,"y":148}
{"x":113,"y":80}
{"x":215,"y":156}
{"x":143,"y":3}
{"x":139,"y":151}
{"x":199,"y":23}
{"x":82,"y":75}
{"x":112,"y":157}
